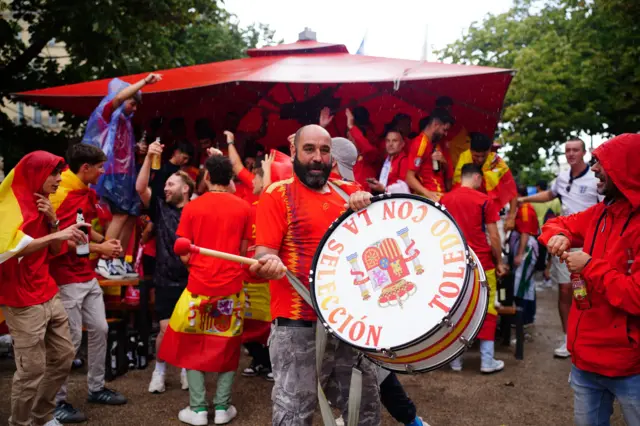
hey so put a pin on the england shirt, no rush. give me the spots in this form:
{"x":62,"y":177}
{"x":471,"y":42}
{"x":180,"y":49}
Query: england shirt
{"x":577,"y":194}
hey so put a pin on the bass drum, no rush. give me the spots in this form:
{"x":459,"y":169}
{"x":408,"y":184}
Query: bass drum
{"x":398,"y":282}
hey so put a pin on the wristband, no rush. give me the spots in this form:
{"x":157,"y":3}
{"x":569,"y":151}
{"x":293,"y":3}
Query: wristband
{"x":55,"y":224}
{"x":231,"y":143}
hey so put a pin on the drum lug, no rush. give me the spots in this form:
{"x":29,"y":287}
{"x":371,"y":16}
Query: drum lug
{"x":409,"y":368}
{"x":465,"y":341}
{"x":471,"y":261}
{"x":328,"y":329}
{"x":447,"y":321}
{"x":388,"y":353}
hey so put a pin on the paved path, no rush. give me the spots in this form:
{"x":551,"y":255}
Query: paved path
{"x":529,"y":392}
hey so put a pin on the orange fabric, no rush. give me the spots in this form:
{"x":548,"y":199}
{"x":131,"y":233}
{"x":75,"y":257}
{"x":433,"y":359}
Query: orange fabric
{"x":527,"y":220}
{"x":420,"y":162}
{"x":472,"y":210}
{"x":217,"y":221}
{"x":292,"y":219}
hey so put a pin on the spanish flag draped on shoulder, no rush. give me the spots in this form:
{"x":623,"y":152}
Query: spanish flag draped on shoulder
{"x":18,"y":209}
{"x":498,"y":182}
{"x":71,"y":195}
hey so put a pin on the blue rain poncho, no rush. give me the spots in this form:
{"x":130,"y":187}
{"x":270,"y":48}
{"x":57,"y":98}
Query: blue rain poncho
{"x":114,"y":135}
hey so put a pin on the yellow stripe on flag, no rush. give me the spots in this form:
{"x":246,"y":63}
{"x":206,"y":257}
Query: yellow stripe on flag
{"x":494,"y":168}
{"x":12,"y":239}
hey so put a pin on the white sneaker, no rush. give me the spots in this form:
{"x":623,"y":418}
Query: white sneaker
{"x":190,"y":417}
{"x":495,"y":366}
{"x":129,"y":271}
{"x":107,"y":270}
{"x":53,"y":422}
{"x":157,"y":383}
{"x":456,"y":364}
{"x":225,"y":416}
{"x":270,"y":377}
{"x":340,"y":421}
{"x":184,"y":383}
{"x":562,"y":351}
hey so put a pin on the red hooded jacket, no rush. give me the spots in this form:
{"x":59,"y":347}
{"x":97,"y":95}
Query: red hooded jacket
{"x":606,"y":338}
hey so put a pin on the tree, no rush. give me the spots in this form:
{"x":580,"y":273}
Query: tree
{"x":577,"y":70}
{"x":106,"y":39}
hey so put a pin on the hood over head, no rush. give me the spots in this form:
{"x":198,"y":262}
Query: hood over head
{"x":620,"y":158}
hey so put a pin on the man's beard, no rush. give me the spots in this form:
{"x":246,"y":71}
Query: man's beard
{"x":313,"y":181}
{"x":175,"y":199}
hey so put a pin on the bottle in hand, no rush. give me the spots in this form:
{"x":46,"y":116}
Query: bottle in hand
{"x":155,"y":160}
{"x":82,"y":250}
{"x":435,"y":163}
{"x":580,"y":294}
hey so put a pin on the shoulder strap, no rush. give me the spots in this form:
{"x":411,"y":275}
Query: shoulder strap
{"x":339,"y":190}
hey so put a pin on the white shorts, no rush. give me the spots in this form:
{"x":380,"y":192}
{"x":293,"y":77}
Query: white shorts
{"x":559,"y":272}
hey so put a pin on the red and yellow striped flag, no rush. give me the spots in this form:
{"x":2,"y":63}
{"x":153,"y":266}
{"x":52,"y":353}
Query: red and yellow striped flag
{"x":18,"y":210}
{"x":498,"y":182}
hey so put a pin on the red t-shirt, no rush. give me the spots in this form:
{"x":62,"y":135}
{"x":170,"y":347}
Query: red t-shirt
{"x":292,"y":219}
{"x":472,"y":210}
{"x":27,"y":282}
{"x":421,"y":163}
{"x":69,"y":268}
{"x":218,"y":221}
{"x":527,"y":220}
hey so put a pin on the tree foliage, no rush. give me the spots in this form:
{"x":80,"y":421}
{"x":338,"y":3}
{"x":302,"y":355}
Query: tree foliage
{"x":577,"y":70}
{"x":107,"y":38}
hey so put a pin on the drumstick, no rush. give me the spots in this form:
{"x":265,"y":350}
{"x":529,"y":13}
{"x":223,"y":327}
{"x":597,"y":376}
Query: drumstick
{"x":183,"y":247}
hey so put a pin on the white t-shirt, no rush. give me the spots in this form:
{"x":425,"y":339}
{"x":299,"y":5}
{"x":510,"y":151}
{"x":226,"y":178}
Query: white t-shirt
{"x":578,"y":194}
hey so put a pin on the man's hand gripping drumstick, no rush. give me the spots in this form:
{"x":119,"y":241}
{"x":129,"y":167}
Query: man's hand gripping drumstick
{"x":268,"y":266}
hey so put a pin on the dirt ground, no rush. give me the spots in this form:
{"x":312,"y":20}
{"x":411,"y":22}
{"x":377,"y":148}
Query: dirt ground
{"x":529,"y":392}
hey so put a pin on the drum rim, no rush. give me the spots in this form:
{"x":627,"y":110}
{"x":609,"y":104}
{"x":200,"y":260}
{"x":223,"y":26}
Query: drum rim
{"x":342,"y":218}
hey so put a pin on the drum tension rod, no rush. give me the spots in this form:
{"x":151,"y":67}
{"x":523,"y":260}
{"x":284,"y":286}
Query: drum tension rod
{"x":466,"y":341}
{"x":388,"y":353}
{"x":447,"y":321}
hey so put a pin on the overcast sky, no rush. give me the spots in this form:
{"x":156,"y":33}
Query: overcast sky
{"x":395,"y":29}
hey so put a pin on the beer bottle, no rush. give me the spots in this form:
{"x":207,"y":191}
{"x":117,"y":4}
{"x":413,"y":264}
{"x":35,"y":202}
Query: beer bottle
{"x":82,"y":250}
{"x":435,"y":163}
{"x":155,"y":160}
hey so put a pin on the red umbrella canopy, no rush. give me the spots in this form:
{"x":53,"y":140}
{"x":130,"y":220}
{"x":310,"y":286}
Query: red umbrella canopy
{"x":288,"y":85}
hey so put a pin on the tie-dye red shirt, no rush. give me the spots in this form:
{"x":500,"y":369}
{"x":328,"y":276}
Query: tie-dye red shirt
{"x":292,"y":219}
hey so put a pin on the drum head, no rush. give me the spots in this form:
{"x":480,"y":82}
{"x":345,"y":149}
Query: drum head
{"x":385,"y":277}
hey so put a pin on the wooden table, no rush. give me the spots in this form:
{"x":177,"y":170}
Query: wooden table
{"x":143,"y":320}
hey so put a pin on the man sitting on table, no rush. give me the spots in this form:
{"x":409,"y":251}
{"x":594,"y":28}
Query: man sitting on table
{"x":80,"y":291}
{"x":430,"y":169}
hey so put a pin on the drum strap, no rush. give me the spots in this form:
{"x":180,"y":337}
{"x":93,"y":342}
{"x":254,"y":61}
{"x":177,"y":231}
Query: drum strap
{"x":355,"y":390}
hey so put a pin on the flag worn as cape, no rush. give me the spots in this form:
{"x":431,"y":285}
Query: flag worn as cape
{"x":205,"y":333}
{"x":498,"y":182}
{"x":18,"y":208}
{"x":71,"y":195}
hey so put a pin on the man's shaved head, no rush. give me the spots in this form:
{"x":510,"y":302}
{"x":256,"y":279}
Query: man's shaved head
{"x":311,"y":131}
